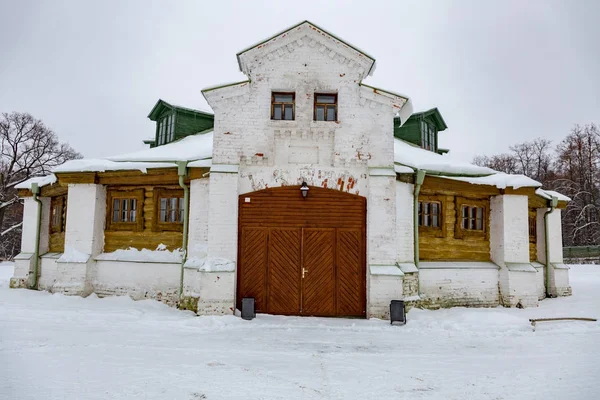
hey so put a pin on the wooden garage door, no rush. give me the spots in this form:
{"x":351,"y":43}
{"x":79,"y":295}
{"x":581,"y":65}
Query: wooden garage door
{"x":303,"y":256}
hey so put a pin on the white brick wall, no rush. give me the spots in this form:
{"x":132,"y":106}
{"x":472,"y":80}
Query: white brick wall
{"x":384,"y":288}
{"x":404,"y":222}
{"x":461,"y":285}
{"x":199,"y":211}
{"x":86,"y":212}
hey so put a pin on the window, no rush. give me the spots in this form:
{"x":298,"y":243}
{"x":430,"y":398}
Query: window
{"x":282,"y":106}
{"x":430,"y":214}
{"x":471,"y":217}
{"x":58,"y":212}
{"x":166,"y":129}
{"x":169,"y":208}
{"x":428,"y":133}
{"x":532,"y":228}
{"x":325,"y":107}
{"x":125,"y":210}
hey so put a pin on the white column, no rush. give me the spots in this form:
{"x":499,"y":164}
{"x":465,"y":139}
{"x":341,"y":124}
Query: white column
{"x":509,"y":249}
{"x":84,"y":239}
{"x":559,"y":272}
{"x":24,"y":261}
{"x":199,"y":212}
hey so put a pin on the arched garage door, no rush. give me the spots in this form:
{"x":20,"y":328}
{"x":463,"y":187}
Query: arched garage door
{"x":303,"y":256}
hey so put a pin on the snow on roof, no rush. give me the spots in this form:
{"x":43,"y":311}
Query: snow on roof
{"x":412,"y":156}
{"x":40,"y":180}
{"x":101,"y":165}
{"x":190,"y":148}
{"x":500,"y":180}
{"x":547,"y":194}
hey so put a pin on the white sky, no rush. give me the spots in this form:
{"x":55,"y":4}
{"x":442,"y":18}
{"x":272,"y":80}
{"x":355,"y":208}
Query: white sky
{"x":500,"y":72}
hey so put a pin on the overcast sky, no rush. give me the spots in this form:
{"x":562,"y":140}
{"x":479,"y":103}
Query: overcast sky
{"x":500,"y":72}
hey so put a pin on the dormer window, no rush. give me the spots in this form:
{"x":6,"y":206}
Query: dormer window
{"x":282,"y":106}
{"x":166,"y":129}
{"x":428,"y":133}
{"x":325,"y":107}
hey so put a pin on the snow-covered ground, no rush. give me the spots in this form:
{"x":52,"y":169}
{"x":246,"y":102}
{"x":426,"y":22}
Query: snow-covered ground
{"x":58,"y":347}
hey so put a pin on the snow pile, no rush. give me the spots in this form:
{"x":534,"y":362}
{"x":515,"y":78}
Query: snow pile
{"x":210,"y":264}
{"x":101,"y":165}
{"x":71,"y":255}
{"x":416,"y":157}
{"x":547,"y":194}
{"x":40,"y":180}
{"x":500,"y":180}
{"x":190,"y":148}
{"x":160,"y":255}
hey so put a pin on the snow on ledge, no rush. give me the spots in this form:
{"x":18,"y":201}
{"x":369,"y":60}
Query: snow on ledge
{"x":72,"y":255}
{"x":547,"y":194}
{"x":210,"y":264}
{"x":40,"y":180}
{"x":500,"y":180}
{"x":160,"y":255}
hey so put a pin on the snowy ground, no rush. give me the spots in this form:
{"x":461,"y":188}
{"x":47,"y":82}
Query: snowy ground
{"x":58,"y":347}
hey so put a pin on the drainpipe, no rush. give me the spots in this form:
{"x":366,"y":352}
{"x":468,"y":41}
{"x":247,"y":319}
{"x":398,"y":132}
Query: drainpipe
{"x":182,"y":172}
{"x":35,"y":189}
{"x":552,"y":203}
{"x":419,"y":178}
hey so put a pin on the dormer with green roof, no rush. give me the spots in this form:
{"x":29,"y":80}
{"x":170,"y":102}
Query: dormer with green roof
{"x":422,"y":129}
{"x":175,"y":122}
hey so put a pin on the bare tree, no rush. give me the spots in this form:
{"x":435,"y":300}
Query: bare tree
{"x":27,"y":148}
{"x":578,"y":168}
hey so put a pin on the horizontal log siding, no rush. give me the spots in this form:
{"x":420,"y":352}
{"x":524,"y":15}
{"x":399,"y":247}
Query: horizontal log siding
{"x":448,"y":247}
{"x":145,"y":239}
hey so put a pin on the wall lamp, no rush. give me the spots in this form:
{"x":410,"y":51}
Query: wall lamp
{"x":304,"y":189}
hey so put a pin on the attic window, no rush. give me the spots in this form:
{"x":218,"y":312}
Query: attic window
{"x":428,"y":133}
{"x":282,"y":106}
{"x":325,"y":107}
{"x":166,"y":129}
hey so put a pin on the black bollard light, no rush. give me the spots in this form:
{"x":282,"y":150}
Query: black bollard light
{"x":397,"y":312}
{"x":248,"y":311}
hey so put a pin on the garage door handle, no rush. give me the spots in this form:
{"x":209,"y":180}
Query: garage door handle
{"x":304,"y":270}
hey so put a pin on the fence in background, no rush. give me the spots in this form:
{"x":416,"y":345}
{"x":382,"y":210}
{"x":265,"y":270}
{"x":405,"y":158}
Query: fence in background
{"x":582,"y":254}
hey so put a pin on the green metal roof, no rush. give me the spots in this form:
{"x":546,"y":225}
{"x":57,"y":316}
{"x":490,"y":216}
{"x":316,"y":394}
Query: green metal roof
{"x":161,"y":105}
{"x":434,"y":114}
{"x":316,"y":27}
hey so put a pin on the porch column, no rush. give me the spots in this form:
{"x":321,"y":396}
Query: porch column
{"x":24,"y":261}
{"x":559,"y":272}
{"x":509,"y":249}
{"x":84,"y":238}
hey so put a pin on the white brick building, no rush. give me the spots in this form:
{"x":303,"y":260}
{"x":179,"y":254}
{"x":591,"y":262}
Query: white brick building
{"x":302,"y":120}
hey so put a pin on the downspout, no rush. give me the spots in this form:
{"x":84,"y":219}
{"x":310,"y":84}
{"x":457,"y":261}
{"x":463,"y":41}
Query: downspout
{"x":552,"y":203}
{"x":35,"y":189}
{"x":419,"y":178}
{"x":182,"y":172}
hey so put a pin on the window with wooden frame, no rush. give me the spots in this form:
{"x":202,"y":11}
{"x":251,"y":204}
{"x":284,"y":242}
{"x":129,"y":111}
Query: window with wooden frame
{"x":431,"y":215}
{"x":283,"y":106}
{"x":472,"y":217}
{"x":428,"y":133}
{"x":124,"y":210}
{"x":169,"y":209}
{"x":58,"y":214}
{"x":166,"y":129}
{"x":325,"y":107}
{"x":532,"y":227}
